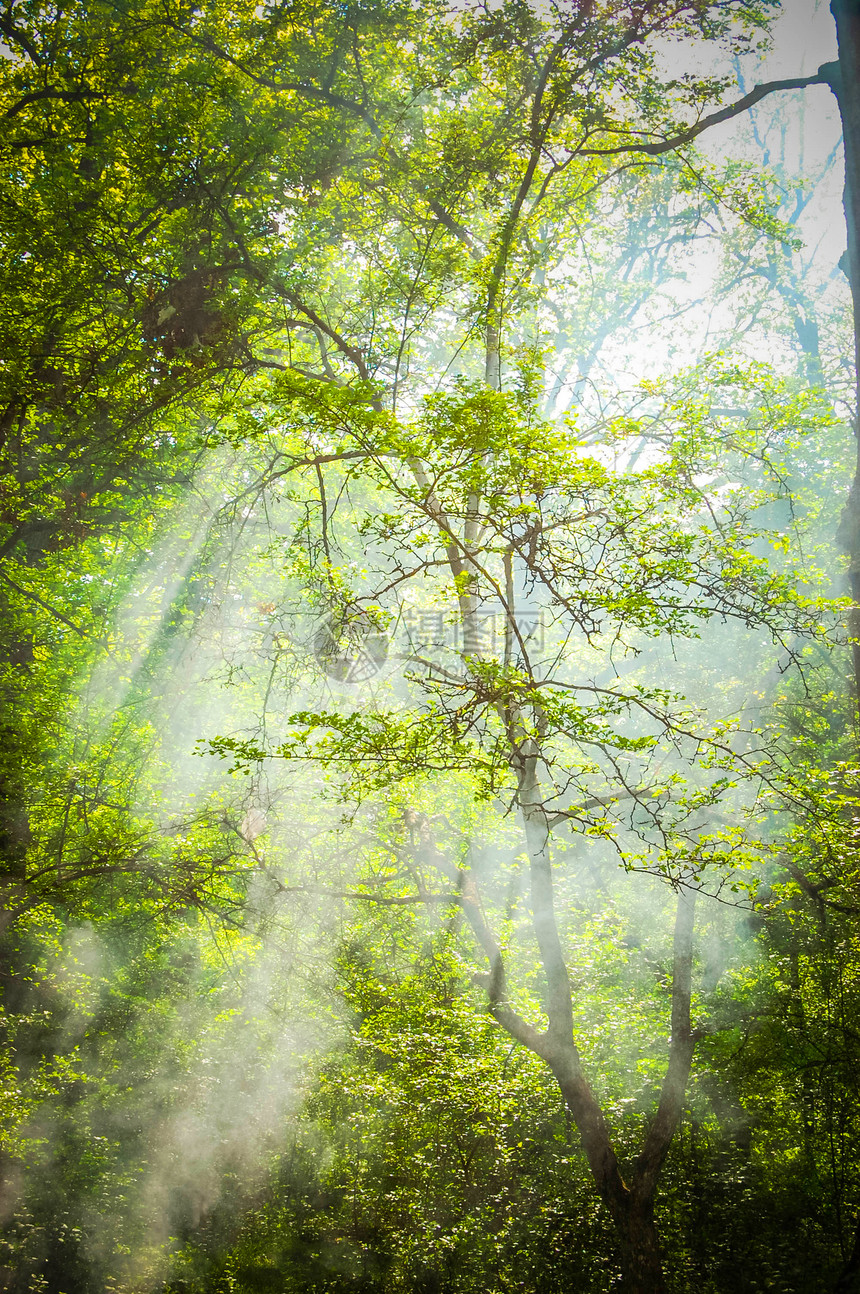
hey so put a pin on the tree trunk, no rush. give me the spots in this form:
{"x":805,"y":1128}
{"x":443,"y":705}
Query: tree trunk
{"x":639,"y":1249}
{"x":631,"y":1206}
{"x":631,"y":1210}
{"x":844,"y":79}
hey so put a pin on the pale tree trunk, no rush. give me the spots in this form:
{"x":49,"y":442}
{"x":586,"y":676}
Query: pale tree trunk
{"x":844,"y":79}
{"x":630,"y":1204}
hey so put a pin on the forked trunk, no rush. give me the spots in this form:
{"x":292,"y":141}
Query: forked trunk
{"x":631,"y":1208}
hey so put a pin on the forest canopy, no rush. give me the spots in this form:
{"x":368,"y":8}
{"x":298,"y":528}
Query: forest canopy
{"x":430,"y":647}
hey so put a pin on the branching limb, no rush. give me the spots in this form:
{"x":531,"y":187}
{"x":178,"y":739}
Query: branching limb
{"x":655,"y":147}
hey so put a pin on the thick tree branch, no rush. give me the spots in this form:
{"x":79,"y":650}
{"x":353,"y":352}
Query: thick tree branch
{"x":34,"y":597}
{"x":655,"y":147}
{"x":17,"y":37}
{"x":66,"y":96}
